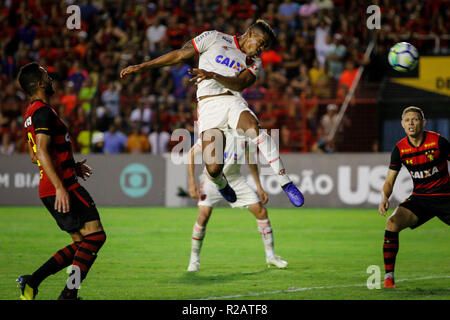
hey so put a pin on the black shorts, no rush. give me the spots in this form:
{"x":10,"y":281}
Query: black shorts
{"x":82,"y":210}
{"x":427,"y":207}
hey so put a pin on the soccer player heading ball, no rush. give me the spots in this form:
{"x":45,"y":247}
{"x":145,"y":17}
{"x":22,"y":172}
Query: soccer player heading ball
{"x":227,"y":65}
{"x":69,"y":203}
{"x":425,"y":154}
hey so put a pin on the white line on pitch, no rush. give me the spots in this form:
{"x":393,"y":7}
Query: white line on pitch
{"x":294,"y":289}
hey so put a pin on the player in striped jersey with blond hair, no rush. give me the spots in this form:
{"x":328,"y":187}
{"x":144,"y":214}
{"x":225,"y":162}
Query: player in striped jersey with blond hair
{"x":425,"y":155}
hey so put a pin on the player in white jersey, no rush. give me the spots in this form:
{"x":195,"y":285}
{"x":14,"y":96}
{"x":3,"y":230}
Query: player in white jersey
{"x":227,"y":65}
{"x":236,"y":153}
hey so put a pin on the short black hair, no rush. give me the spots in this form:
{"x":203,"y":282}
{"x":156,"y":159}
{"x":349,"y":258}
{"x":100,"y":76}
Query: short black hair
{"x":265,"y":27}
{"x":29,"y":76}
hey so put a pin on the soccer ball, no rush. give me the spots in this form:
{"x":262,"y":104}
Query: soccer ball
{"x":403,"y":57}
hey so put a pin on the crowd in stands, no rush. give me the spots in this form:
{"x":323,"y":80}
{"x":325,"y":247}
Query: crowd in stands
{"x":320,"y":46}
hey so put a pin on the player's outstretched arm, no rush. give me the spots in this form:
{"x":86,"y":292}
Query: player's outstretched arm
{"x":168,"y":59}
{"x":43,"y":156}
{"x":387,"y":191}
{"x":193,"y":188}
{"x":244,"y":80}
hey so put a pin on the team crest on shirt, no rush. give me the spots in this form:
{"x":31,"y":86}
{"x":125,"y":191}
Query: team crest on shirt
{"x":429,"y":155}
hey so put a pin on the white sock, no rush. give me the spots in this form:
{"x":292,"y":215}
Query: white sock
{"x":269,"y":150}
{"x":389,"y":275}
{"x":198,"y":234}
{"x":220,"y":181}
{"x":265,"y":229}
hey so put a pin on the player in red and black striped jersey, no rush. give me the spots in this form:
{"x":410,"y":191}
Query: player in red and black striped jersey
{"x":425,"y":154}
{"x":69,"y":203}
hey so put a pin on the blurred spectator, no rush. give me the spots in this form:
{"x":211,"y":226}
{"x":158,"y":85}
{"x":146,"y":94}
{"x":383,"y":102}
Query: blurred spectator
{"x":347,"y":78}
{"x":329,"y":119}
{"x":270,"y":57}
{"x":111,"y":99}
{"x":321,"y":39}
{"x":77,"y":75}
{"x":315,"y":72}
{"x":289,"y":140}
{"x":179,"y":72}
{"x":323,"y":87}
{"x":109,"y":32}
{"x":159,"y":139}
{"x":176,"y":32}
{"x":242,"y":9}
{"x":308,"y":8}
{"x":69,"y":100}
{"x":142,"y":116}
{"x":115,"y":141}
{"x":82,"y":45}
{"x":323,"y":144}
{"x":287,"y":11}
{"x":155,"y":32}
{"x":324,"y":4}
{"x":165,"y":80}
{"x":7,"y":147}
{"x":84,"y":139}
{"x":86,"y":94}
{"x":78,"y":121}
{"x":98,"y":142}
{"x":335,"y":55}
{"x":302,"y":81}
{"x":137,"y":142}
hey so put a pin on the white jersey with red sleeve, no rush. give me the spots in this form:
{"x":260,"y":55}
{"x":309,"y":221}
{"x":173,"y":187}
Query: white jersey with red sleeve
{"x":220,"y":53}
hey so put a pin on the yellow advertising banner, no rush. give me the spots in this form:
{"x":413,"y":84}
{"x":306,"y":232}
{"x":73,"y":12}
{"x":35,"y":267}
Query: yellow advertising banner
{"x":434,"y":75}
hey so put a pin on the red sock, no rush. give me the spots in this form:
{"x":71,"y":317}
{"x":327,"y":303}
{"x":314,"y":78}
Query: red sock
{"x":390,"y":250}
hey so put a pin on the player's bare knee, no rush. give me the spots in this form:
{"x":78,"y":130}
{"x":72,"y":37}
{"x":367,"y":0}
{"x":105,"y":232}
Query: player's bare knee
{"x":259,"y":211}
{"x":391,"y":224}
{"x":203,"y":219}
{"x":214,"y":170}
{"x":262,"y":214}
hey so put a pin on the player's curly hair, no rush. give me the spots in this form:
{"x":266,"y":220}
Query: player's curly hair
{"x":266,"y":28}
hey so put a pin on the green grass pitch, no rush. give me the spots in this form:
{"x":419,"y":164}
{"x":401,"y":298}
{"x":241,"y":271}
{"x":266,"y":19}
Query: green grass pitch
{"x":147,"y":252}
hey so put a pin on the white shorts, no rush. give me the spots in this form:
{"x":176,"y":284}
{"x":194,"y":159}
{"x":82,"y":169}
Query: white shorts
{"x":210,"y":196}
{"x":221,"y":112}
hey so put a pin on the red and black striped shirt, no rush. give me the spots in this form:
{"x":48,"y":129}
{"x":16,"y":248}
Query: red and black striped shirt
{"x":427,"y":163}
{"x":41,"y":118}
